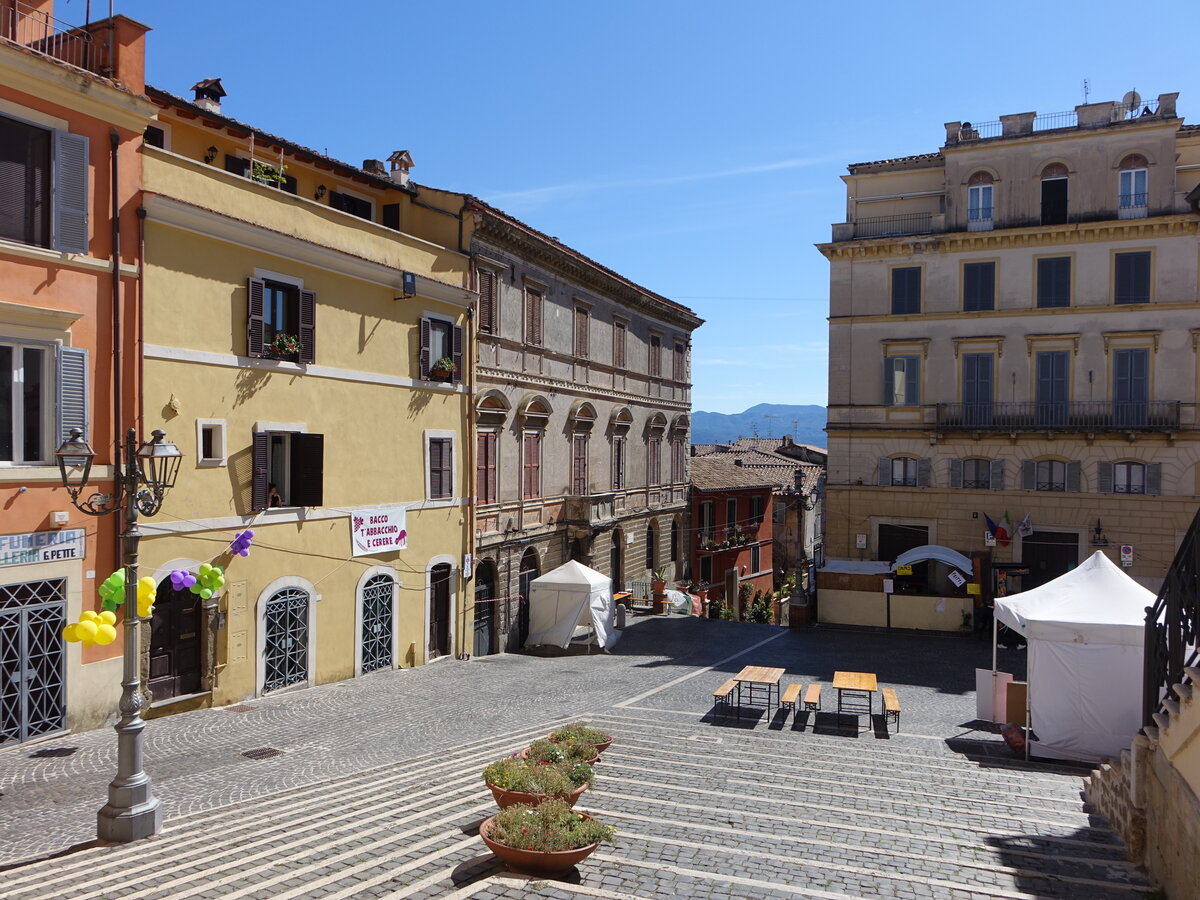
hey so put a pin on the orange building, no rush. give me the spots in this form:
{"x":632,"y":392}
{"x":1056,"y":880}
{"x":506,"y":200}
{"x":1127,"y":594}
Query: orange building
{"x":72,"y":115}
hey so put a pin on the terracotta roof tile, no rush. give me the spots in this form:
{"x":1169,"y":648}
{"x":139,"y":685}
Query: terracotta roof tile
{"x":712,"y":473}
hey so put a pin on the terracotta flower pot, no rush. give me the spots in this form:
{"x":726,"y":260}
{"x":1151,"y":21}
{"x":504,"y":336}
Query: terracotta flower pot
{"x":534,"y":862}
{"x":505,"y":799}
{"x":600,"y":748}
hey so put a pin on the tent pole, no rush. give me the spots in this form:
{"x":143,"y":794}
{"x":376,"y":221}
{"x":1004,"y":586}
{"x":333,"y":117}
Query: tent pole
{"x":1028,"y":723}
{"x":995,"y":673}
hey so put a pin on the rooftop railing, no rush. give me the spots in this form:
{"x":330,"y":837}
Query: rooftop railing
{"x":885,"y":226}
{"x":35,"y":30}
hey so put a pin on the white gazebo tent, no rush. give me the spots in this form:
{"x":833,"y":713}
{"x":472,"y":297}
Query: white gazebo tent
{"x":1084,"y":631}
{"x":567,"y":598}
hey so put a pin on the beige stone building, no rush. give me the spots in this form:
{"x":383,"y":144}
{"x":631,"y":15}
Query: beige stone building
{"x":1013,"y":329}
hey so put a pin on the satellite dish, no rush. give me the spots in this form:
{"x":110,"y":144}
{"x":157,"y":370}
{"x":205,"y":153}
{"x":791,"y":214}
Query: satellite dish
{"x":1131,"y":101}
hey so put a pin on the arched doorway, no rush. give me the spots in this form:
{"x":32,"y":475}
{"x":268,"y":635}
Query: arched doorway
{"x":377,"y":633}
{"x":439,"y":610}
{"x":485,"y":609}
{"x":286,"y":638}
{"x":614,"y":560}
{"x":175,"y":643}
{"x":530,"y":569}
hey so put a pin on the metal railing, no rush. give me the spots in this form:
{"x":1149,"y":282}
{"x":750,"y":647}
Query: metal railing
{"x":1129,"y":201}
{"x":885,"y":226}
{"x":36,"y":30}
{"x":1087,"y":415}
{"x":1048,"y":121}
{"x":1172,"y":634}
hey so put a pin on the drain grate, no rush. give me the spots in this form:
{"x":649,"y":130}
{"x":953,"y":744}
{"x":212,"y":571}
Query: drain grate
{"x":261,"y":753}
{"x":53,"y":752}
{"x":707,"y":740}
{"x":238,"y":707}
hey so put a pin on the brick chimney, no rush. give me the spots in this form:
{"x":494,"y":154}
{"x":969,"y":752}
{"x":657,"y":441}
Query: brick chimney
{"x":208,"y":94}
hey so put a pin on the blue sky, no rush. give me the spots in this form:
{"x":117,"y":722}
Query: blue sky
{"x":695,"y":147}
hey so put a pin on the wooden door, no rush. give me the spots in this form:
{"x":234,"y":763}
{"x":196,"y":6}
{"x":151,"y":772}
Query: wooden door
{"x":439,"y":610}
{"x":175,"y":643}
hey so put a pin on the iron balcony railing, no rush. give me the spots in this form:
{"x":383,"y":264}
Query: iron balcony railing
{"x":36,"y":30}
{"x":1172,"y":634}
{"x":886,"y":226}
{"x":1087,"y":415}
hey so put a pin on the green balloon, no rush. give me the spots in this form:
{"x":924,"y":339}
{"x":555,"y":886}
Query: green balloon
{"x":206,"y":593}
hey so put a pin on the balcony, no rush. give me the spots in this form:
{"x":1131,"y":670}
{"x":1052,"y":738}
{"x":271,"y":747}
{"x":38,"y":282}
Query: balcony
{"x":1081,"y":416}
{"x":590,"y":509}
{"x":891,"y":226}
{"x":34,"y":29}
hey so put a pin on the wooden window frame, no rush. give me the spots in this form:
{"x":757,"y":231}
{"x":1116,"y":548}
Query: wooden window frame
{"x":580,"y":446}
{"x":446,"y":474}
{"x":535,"y":315}
{"x":531,"y":465}
{"x":489,"y":300}
{"x":582,"y":322}
{"x":486,"y":466}
{"x":907,"y":301}
{"x":654,"y":355}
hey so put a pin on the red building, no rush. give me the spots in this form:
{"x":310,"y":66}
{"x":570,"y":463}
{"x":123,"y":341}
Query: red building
{"x":731,"y":544}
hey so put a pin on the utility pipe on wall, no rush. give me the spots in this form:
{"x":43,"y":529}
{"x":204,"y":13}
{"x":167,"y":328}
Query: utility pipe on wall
{"x":114,"y":141}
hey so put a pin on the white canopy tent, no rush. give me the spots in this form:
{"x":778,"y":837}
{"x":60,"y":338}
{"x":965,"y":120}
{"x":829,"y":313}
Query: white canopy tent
{"x":1084,"y":631}
{"x":570,"y":597}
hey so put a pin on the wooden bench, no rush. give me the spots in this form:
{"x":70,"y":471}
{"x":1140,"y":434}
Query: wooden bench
{"x":790,"y":696}
{"x":812,"y":697}
{"x":891,"y":707}
{"x":721,"y":694}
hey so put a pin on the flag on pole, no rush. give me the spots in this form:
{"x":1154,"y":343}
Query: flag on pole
{"x":1025,"y":526}
{"x":1002,"y":536}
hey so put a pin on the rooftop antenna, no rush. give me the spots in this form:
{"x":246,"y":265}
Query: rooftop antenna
{"x":1087,"y":88}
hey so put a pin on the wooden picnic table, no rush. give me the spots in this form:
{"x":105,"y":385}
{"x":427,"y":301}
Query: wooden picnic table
{"x":855,"y":684}
{"x":757,"y":678}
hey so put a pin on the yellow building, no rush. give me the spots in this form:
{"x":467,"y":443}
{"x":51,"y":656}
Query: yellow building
{"x":1013,"y":329}
{"x":296,"y":309}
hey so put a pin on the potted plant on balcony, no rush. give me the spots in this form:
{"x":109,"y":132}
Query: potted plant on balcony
{"x":443,"y":368}
{"x":549,"y":839}
{"x":513,"y":780}
{"x":285,"y":346}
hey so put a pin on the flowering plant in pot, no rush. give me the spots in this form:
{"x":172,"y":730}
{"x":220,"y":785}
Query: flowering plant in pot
{"x":443,"y":367}
{"x":285,"y":344}
{"x":546,"y":752}
{"x":544,"y":840}
{"x":514,"y":780}
{"x":582,"y":733}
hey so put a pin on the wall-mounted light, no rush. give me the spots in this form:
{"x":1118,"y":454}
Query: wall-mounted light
{"x":1098,"y":538}
{"x":320,"y":194}
{"x":210,"y":155}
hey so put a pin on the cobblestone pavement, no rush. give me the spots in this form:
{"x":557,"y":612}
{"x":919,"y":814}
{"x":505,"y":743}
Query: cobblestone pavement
{"x":377,"y":791}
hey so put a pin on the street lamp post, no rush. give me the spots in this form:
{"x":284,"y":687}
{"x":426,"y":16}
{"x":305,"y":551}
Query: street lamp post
{"x":141,"y":481}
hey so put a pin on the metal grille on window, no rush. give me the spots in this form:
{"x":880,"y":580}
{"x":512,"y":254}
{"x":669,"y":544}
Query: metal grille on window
{"x":32,"y":659}
{"x":377,"y":623}
{"x":287,"y":639}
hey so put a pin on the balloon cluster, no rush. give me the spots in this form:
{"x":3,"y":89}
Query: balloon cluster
{"x":241,"y":542}
{"x":112,"y":590}
{"x":182,"y":579}
{"x":92,"y":628}
{"x":145,"y":596}
{"x":210,"y":580}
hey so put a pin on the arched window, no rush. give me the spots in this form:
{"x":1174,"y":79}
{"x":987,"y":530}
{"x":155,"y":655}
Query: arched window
{"x":1054,"y":194}
{"x":979,"y":202}
{"x":286,"y":631}
{"x":651,"y":541}
{"x":1132,"y":187}
{"x":377,"y":597}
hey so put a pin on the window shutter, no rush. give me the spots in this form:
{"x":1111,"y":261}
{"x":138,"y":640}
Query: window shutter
{"x":533,"y":318}
{"x":425,"y":360}
{"x":912,"y":395}
{"x":308,"y":329}
{"x":70,"y":187}
{"x":262,"y":463}
{"x":997,"y":474}
{"x":255,"y":326}
{"x":458,"y":353}
{"x":1028,"y":475}
{"x":924,"y":471}
{"x":581,"y":332}
{"x":237,"y":165}
{"x":435,"y":469}
{"x":487,"y":301}
{"x":1073,"y":477}
{"x":1104,"y":477}
{"x":956,"y":474}
{"x":289,"y":184}
{"x":391,"y":216}
{"x":308,"y":470}
{"x":883,"y":477}
{"x":72,"y":391}
{"x":889,"y":377}
{"x":1153,"y":478}
{"x":619,"y":344}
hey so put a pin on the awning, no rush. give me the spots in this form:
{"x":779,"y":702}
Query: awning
{"x":934,"y":551}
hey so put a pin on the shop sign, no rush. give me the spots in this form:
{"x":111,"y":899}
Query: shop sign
{"x":972,"y":588}
{"x":376,"y":531}
{"x":903,"y":570}
{"x":42,"y":546}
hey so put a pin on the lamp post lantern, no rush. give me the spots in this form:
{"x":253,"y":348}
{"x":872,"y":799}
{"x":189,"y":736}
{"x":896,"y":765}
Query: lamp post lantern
{"x":141,"y":480}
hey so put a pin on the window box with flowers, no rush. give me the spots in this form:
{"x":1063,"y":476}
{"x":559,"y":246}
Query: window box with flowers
{"x":443,"y":369}
{"x":285,"y":346}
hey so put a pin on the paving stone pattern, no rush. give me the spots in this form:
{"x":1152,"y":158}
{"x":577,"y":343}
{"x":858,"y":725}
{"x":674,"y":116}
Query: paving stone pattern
{"x":378,"y":791}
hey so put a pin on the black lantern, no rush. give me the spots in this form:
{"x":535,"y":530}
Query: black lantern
{"x":159,"y":460}
{"x":75,"y":454}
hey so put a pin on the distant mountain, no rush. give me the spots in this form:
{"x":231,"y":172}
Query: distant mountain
{"x":806,"y":424}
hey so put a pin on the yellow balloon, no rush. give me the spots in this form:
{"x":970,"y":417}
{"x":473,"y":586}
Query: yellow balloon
{"x":145,"y":610}
{"x":108,"y":617}
{"x":106,"y":634}
{"x":87,"y":630}
{"x":87,"y":642}
{"x":88,"y":616}
{"x":70,"y":634}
